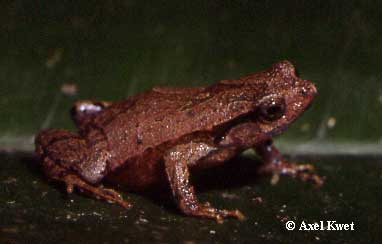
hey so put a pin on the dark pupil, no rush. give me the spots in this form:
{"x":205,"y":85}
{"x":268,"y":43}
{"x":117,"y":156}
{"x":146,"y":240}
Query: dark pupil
{"x":273,"y":112}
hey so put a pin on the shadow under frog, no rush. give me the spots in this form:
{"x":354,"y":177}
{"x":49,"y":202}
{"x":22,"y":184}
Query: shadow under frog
{"x":160,"y":136}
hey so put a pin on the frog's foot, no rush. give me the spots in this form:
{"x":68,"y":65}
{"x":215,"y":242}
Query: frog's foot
{"x":276,"y":165}
{"x":176,"y":166}
{"x":99,"y":192}
{"x":303,"y":171}
{"x":206,"y":211}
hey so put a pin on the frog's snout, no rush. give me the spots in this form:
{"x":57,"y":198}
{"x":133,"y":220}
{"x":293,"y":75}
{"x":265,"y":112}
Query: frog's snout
{"x":313,"y":89}
{"x":308,"y":89}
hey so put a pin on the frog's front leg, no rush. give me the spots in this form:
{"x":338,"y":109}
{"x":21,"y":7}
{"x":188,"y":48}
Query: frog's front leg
{"x":275,"y":164}
{"x":176,"y":162}
{"x":249,"y":135}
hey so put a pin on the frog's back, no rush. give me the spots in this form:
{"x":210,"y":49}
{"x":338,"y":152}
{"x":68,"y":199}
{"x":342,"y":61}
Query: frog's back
{"x":163,"y":115}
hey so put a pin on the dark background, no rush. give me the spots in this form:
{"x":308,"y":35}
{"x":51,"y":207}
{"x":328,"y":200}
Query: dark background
{"x":113,"y":49}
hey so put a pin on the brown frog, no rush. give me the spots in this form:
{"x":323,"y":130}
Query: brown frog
{"x":163,"y":134}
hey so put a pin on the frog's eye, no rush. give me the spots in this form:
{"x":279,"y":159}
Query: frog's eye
{"x":272,"y":109}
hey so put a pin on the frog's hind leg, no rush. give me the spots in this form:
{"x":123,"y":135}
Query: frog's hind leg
{"x":275,"y":164}
{"x":107,"y":194}
{"x":83,"y":111}
{"x":58,"y":173}
{"x":176,"y":165}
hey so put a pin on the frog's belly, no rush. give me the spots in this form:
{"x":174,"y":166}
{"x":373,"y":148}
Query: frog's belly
{"x":140,"y":173}
{"x":148,"y":171}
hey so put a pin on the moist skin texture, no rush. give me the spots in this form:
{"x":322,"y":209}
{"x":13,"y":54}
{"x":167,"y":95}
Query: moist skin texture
{"x":156,"y":137}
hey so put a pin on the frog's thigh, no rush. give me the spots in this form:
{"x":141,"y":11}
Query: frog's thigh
{"x":176,"y":162}
{"x":72,"y":180}
{"x":83,"y":110}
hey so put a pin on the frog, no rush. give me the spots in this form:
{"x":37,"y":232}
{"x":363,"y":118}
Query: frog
{"x":165,"y":134}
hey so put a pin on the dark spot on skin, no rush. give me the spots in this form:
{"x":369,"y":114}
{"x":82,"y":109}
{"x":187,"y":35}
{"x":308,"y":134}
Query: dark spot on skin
{"x":190,"y":113}
{"x":139,"y":140}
